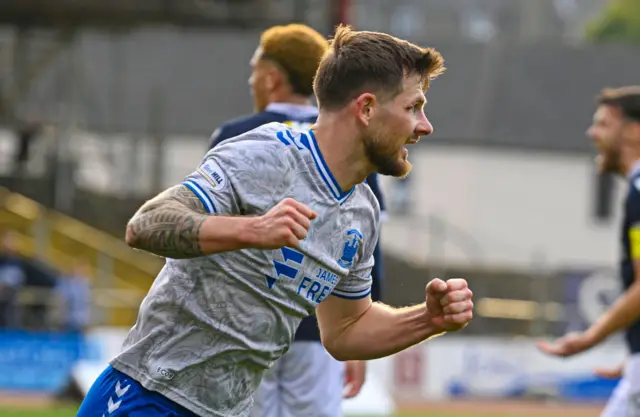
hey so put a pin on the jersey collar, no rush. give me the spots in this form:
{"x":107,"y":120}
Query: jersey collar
{"x":291,"y":109}
{"x":325,"y":172}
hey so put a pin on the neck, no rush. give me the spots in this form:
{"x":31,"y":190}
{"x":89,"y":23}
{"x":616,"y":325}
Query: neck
{"x":342,"y":150}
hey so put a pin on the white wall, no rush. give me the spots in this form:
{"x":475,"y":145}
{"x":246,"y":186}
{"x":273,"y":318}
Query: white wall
{"x":506,"y":208}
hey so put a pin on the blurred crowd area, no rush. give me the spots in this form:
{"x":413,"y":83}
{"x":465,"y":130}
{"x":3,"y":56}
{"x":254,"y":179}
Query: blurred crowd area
{"x":34,"y":296}
{"x":104,"y":103}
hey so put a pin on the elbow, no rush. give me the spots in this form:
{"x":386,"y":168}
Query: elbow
{"x":337,"y":351}
{"x":131,"y":235}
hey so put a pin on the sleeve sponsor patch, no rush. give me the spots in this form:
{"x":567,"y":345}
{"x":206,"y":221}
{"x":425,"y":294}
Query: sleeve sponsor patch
{"x":634,"y":241}
{"x":213,"y":174}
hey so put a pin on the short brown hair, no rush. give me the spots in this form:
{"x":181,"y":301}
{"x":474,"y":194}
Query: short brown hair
{"x":297,"y":49}
{"x":626,"y":99}
{"x":378,"y":62}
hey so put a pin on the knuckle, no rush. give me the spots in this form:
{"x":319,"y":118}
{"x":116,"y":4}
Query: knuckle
{"x":287,"y":210}
{"x":286,"y":234}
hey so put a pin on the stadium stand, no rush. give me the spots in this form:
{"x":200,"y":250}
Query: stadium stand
{"x":121,"y":276}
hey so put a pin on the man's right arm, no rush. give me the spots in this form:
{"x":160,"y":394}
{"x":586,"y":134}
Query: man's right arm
{"x":234,"y":200}
{"x":176,"y":225}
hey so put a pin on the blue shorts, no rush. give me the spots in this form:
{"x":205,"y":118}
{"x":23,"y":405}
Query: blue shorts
{"x":115,"y":394}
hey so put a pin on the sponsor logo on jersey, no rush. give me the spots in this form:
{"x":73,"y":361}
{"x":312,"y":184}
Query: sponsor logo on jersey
{"x":214,"y":175}
{"x":350,"y":248}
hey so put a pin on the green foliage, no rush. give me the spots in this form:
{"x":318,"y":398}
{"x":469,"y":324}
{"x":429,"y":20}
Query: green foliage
{"x":618,"y":23}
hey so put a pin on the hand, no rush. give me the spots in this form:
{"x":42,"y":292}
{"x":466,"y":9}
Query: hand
{"x":286,"y":224}
{"x":355,"y":372}
{"x":610,"y":373}
{"x":449,"y":305}
{"x":568,"y":345}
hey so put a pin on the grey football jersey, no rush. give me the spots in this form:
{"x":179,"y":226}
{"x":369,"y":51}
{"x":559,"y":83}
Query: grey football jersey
{"x":209,"y":327}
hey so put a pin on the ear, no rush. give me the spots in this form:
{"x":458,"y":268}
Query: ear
{"x":275,"y":77}
{"x":365,"y":106}
{"x":271,"y":79}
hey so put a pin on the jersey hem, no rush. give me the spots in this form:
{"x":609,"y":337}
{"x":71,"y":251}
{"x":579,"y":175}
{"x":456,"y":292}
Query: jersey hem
{"x":152,"y":385}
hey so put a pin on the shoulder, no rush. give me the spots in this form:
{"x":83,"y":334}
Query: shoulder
{"x":634,"y":186}
{"x":258,"y":149}
{"x":633,"y":194}
{"x":242,"y":125}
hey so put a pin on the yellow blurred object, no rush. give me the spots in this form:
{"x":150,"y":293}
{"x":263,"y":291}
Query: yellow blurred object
{"x":120,"y":275}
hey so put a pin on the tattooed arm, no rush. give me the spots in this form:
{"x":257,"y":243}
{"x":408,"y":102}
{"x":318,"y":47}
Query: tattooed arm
{"x":205,"y":214}
{"x":176,"y":225}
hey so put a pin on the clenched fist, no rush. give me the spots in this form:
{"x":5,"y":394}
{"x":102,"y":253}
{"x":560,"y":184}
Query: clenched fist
{"x":286,"y":224}
{"x":449,"y":305}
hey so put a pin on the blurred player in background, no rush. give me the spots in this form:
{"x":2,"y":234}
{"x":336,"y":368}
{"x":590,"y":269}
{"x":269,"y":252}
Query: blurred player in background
{"x":306,"y":380}
{"x":273,"y":225}
{"x":616,"y":133}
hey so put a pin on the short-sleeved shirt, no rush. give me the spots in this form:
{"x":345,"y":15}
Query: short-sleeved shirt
{"x":210,"y":326}
{"x":631,"y":248}
{"x":301,"y":117}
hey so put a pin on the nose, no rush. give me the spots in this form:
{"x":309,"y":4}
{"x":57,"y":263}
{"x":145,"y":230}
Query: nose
{"x":424,"y":127}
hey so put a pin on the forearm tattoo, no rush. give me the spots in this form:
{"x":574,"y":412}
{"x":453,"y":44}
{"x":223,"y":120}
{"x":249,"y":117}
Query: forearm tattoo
{"x":169,"y":224}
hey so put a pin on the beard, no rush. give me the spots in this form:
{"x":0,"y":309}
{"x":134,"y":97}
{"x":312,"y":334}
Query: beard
{"x":388,"y":160}
{"x":608,"y":162}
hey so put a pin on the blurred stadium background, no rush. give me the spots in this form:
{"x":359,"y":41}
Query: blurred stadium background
{"x":105,"y":102}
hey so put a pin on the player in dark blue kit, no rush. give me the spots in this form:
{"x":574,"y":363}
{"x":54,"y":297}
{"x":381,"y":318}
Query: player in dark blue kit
{"x":616,"y":133}
{"x":306,"y":380}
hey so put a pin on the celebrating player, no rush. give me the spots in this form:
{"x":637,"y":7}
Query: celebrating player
{"x":274,"y":224}
{"x":616,"y":133}
{"x":306,"y":380}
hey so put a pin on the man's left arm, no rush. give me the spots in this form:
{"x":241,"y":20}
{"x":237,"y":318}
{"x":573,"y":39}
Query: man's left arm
{"x":626,"y":310}
{"x":622,"y":314}
{"x":353,"y":327}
